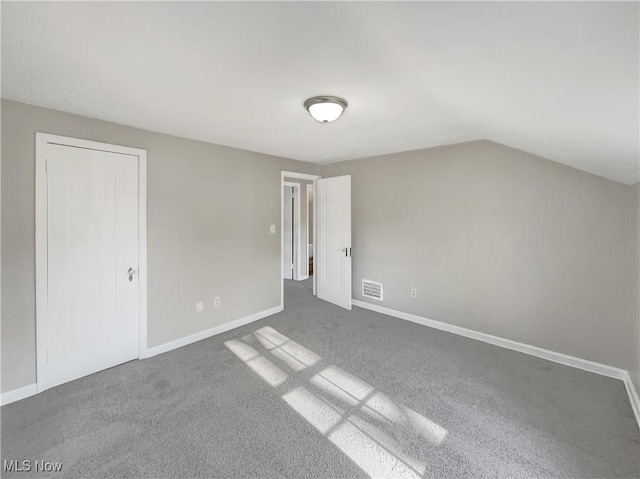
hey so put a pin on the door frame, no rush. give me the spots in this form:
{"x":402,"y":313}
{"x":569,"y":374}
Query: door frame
{"x":310,"y":188}
{"x":299,"y":176}
{"x":295,"y":227}
{"x":42,"y":140}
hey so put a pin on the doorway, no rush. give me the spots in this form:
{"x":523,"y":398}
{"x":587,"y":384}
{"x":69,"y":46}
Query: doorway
{"x":90,"y":257}
{"x":329,"y":226}
{"x":297,"y":230}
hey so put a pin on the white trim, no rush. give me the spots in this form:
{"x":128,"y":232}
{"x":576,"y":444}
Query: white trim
{"x":42,"y":139}
{"x":32,"y":389}
{"x":498,"y":341}
{"x":17,"y":394}
{"x":310,"y":242}
{"x":296,"y":226}
{"x":633,"y":395}
{"x":300,"y":254}
{"x":178,"y":343}
{"x":41,"y":258}
{"x":556,"y":357}
{"x":315,"y":237}
{"x":300,"y":176}
{"x":142,"y":252}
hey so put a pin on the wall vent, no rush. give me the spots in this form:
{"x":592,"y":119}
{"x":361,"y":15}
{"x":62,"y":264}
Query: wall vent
{"x":371,"y":289}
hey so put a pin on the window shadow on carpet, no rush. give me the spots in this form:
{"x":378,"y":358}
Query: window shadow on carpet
{"x":383,"y":437}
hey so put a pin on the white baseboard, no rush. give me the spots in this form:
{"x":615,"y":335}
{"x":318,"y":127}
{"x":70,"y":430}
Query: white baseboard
{"x":634,"y":398}
{"x":633,"y":395}
{"x":178,"y":343}
{"x":20,"y":393}
{"x":565,"y":359}
{"x":32,"y":389}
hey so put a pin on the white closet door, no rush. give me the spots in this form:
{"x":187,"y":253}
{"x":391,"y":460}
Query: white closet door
{"x":92,"y":242}
{"x":333,"y":197}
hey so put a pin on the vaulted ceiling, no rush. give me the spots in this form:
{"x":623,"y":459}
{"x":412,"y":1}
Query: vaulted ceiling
{"x":560,"y":80}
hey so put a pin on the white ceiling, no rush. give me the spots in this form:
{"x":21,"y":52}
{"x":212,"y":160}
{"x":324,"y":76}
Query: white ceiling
{"x":557,"y":79}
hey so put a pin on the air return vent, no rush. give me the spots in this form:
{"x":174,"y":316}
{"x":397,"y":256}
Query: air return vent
{"x":371,"y":289}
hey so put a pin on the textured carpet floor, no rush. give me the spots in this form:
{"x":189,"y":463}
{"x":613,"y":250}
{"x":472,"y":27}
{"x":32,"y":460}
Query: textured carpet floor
{"x":316,"y":391}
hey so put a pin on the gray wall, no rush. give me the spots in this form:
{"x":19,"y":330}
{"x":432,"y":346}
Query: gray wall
{"x":499,"y":241}
{"x":494,"y":239}
{"x":209,"y":211}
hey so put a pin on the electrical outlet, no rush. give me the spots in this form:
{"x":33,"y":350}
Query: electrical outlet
{"x":216,"y":302}
{"x":414,"y":293}
{"x":199,"y":306}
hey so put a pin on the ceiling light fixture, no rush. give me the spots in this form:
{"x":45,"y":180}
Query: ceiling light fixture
{"x":325,"y":109}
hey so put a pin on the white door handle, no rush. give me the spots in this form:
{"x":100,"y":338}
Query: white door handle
{"x":131,"y":272}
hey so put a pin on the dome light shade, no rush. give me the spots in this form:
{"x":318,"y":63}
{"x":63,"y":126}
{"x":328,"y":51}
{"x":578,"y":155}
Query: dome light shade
{"x":325,"y":109}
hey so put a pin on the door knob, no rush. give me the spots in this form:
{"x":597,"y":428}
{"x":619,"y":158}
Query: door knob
{"x":131,"y":272}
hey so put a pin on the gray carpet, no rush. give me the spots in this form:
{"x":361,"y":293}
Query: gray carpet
{"x":317,"y":391}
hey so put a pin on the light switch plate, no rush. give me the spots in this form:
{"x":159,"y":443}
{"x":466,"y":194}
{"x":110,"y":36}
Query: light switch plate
{"x":272,"y":229}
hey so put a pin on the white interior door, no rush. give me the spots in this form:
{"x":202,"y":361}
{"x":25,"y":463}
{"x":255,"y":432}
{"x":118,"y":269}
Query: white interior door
{"x":333,"y":249}
{"x":287,"y":260}
{"x":92,"y":241}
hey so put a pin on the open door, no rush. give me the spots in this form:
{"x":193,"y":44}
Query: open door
{"x":333,"y":251}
